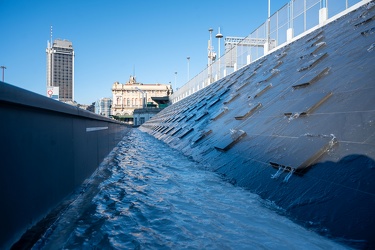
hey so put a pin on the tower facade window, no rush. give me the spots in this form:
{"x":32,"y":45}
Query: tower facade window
{"x":60,"y":68}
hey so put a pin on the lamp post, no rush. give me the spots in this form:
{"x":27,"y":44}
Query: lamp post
{"x":210,"y":47}
{"x":269,"y":8}
{"x":219,"y":36}
{"x":268,"y":25}
{"x":3,"y":68}
{"x":188,"y":59}
{"x":210,"y":56}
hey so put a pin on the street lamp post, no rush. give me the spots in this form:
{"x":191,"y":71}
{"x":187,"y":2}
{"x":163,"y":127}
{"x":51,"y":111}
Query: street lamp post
{"x":3,"y":68}
{"x":269,"y":8}
{"x":210,"y":47}
{"x":268,"y":25}
{"x":219,"y":36}
{"x":210,"y":56}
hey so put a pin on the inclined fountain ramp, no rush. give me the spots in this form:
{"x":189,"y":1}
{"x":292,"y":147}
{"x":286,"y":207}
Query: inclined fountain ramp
{"x":296,"y":127}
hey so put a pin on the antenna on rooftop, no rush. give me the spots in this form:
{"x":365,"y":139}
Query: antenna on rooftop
{"x":133,"y":70}
{"x":51,"y":37}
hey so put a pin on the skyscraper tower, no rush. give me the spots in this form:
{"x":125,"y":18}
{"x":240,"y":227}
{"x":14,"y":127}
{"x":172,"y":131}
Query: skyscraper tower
{"x":60,"y":69}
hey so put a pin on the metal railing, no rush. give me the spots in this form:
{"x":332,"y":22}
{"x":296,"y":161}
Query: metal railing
{"x":296,"y":18}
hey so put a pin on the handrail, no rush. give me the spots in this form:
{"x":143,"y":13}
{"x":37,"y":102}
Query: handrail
{"x":294,"y":20}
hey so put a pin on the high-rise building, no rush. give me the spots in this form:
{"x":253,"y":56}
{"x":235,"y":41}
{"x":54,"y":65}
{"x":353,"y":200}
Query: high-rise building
{"x":60,"y":70}
{"x":103,"y":107}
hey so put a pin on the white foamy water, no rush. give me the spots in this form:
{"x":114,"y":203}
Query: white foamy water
{"x":150,"y":196}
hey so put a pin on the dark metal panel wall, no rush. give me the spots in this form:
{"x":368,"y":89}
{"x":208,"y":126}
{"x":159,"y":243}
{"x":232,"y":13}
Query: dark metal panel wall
{"x":46,"y":153}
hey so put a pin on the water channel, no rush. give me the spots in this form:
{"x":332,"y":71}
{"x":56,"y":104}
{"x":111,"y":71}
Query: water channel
{"x":146,"y":195}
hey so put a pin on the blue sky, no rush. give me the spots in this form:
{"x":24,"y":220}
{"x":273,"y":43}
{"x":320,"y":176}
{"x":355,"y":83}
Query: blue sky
{"x":112,"y":37}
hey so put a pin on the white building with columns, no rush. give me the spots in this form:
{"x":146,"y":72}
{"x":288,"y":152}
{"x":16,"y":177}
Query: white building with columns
{"x":134,"y":95}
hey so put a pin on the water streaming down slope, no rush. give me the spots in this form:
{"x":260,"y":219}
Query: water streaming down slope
{"x":150,"y":196}
{"x":295,"y":127}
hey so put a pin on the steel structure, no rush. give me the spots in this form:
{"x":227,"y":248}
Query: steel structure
{"x":233,"y":43}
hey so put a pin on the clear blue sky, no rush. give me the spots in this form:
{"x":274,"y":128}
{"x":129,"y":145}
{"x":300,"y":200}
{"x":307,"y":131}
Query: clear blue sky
{"x":111,"y":37}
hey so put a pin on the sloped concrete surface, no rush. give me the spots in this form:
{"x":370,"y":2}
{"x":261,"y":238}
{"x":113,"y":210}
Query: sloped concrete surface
{"x":309,"y":147}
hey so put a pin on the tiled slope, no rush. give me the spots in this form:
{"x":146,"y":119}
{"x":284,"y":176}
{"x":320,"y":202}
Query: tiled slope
{"x":297,"y":127}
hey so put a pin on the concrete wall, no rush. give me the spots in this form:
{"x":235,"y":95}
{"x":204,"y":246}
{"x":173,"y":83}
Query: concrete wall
{"x":48,"y":149}
{"x":296,"y":127}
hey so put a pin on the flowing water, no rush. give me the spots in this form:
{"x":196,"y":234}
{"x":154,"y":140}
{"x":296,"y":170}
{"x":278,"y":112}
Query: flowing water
{"x":147,"y":195}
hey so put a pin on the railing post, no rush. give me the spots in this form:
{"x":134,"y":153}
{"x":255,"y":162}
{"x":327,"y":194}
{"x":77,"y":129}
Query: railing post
{"x":304,"y":16}
{"x":289,"y":34}
{"x":290,"y":31}
{"x":323,"y":15}
{"x":248,"y":59}
{"x":266,"y":47}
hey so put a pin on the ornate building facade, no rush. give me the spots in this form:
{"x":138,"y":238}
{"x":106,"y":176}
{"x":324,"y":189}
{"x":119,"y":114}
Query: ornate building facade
{"x":134,"y":95}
